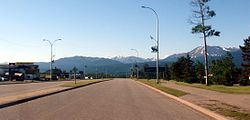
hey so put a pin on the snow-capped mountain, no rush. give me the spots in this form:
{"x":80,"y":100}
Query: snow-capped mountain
{"x":214,"y":52}
{"x":131,"y":59}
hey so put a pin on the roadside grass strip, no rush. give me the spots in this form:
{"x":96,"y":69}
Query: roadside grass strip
{"x":191,"y":105}
{"x":80,"y":83}
{"x":227,"y":110}
{"x":220,"y":88}
{"x":168,"y":90}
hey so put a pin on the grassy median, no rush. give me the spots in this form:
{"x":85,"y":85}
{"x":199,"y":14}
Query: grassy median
{"x":171,"y":91}
{"x":79,"y":83}
{"x":220,"y":88}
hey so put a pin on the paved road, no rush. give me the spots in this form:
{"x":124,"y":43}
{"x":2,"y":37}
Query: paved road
{"x":17,"y":89}
{"x":119,"y":99}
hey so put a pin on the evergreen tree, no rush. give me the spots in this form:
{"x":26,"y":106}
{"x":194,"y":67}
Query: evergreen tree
{"x":229,"y":69}
{"x":223,"y":70}
{"x":167,"y":75}
{"x":176,"y":71}
{"x":183,"y":70}
{"x":217,"y":72}
{"x":182,"y":67}
{"x":202,"y":13}
{"x":188,"y":71}
{"x":246,"y":62}
{"x":199,"y":71}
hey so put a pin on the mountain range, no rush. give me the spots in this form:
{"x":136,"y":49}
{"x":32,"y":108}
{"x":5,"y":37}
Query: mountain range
{"x":90,"y":64}
{"x":121,"y":65}
{"x":214,"y":52}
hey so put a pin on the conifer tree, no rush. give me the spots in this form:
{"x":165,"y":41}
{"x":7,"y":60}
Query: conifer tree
{"x":188,"y":71}
{"x":199,"y":71}
{"x":223,"y":70}
{"x":246,"y":61}
{"x":167,"y":73}
{"x":201,"y":14}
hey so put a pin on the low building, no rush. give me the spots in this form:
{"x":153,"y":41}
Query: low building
{"x":20,"y":71}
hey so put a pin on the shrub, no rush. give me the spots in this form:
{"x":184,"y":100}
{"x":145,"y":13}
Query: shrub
{"x":244,"y":82}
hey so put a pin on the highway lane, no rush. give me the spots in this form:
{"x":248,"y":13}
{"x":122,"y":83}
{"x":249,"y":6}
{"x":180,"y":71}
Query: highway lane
{"x":119,"y":99}
{"x":16,"y":89}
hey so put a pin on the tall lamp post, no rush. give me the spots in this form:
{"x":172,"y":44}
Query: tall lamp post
{"x":157,"y":41}
{"x":51,"y":54}
{"x":137,"y":68}
{"x":84,"y":70}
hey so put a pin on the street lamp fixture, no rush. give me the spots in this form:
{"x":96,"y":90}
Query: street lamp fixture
{"x":152,"y":38}
{"x":137,"y":68}
{"x":157,"y":41}
{"x":51,"y":54}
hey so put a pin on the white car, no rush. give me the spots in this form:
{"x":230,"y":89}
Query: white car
{"x":3,"y":79}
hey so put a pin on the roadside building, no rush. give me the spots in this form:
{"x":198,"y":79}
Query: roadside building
{"x":20,"y":71}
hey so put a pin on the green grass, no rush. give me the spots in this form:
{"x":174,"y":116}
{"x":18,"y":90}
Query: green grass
{"x":171,"y":91}
{"x":233,"y":113}
{"x":220,"y":88}
{"x":79,"y":83}
{"x":228,"y":110}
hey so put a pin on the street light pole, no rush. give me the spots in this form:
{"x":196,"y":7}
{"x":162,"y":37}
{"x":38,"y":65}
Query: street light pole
{"x":137,"y":68}
{"x":157,"y":41}
{"x":84,"y":70}
{"x":51,"y":54}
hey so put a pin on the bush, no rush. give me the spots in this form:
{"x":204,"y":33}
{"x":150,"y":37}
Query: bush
{"x":229,"y":80}
{"x":244,"y":82}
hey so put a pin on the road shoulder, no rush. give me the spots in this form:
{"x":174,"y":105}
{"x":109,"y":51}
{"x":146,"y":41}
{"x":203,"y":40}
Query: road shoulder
{"x":191,"y":105}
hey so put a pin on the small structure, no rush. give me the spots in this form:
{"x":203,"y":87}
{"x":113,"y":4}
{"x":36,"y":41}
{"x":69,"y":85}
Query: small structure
{"x":20,"y":71}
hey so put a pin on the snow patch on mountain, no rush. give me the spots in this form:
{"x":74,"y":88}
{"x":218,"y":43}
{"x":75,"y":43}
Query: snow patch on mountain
{"x":198,"y":52}
{"x":131,"y":59}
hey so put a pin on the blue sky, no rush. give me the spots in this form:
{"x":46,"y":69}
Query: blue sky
{"x":108,"y":28}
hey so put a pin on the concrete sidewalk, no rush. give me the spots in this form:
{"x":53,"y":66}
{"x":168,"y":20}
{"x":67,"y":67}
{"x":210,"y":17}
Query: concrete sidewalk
{"x":204,"y":97}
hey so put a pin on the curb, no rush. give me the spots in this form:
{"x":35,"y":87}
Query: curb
{"x":10,"y":83}
{"x":26,"y":99}
{"x":28,"y":82}
{"x":189,"y":104}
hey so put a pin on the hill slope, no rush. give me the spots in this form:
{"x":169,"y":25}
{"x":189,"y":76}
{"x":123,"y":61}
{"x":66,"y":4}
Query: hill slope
{"x":214,"y":52}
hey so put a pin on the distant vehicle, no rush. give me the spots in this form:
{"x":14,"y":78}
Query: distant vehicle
{"x":87,"y":78}
{"x":18,"y":76}
{"x":46,"y":77}
{"x":3,"y":78}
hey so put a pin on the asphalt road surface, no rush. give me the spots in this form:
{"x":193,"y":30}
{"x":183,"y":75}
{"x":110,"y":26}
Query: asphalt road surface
{"x":119,"y":99}
{"x":17,"y":89}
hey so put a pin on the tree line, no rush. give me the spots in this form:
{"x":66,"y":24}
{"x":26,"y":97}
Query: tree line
{"x":222,"y":71}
